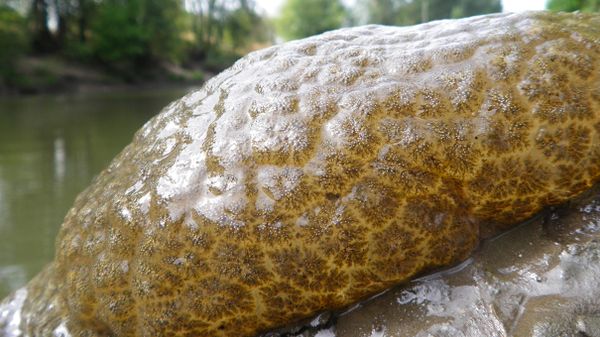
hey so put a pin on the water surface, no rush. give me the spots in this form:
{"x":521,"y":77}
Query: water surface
{"x":50,"y":149}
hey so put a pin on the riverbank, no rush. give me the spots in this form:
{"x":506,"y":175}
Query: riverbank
{"x":56,"y":75}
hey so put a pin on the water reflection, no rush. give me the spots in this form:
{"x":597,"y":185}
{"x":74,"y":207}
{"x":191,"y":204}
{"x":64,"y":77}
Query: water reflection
{"x":50,"y":149}
{"x":13,"y":276}
{"x":59,"y":160}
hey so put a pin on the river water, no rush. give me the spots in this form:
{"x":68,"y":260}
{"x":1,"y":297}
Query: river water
{"x":50,"y":149}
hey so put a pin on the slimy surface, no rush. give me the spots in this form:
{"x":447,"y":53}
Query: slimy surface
{"x":540,"y":279}
{"x":316,"y":173}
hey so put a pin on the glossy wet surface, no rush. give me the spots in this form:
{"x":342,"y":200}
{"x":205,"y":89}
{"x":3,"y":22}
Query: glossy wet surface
{"x":50,"y":149}
{"x":170,"y":228}
{"x":540,"y":279}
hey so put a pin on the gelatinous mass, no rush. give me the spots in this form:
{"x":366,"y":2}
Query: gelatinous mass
{"x":318,"y":172}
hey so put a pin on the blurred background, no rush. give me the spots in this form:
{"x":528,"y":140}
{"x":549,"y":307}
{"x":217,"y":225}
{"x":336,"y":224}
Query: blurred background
{"x":78,"y":77}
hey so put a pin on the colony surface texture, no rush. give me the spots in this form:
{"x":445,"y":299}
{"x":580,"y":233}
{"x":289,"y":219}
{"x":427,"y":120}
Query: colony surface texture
{"x":316,"y":173}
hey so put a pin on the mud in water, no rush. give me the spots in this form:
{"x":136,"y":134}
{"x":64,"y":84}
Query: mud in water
{"x":541,"y":279}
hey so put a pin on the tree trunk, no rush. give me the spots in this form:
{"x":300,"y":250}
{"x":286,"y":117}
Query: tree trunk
{"x":82,"y":18}
{"x":41,"y":37}
{"x":61,"y":10}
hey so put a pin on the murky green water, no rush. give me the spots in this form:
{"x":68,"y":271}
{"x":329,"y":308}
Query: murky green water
{"x":50,"y":149}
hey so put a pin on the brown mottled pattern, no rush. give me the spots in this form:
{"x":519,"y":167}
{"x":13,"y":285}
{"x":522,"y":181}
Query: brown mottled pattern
{"x":331,"y":168}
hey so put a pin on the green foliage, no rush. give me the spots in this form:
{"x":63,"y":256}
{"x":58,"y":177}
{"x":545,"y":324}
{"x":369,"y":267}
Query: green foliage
{"x":13,"y":42}
{"x":127,"y":35}
{"x":131,"y":38}
{"x":226,"y":28}
{"x":117,"y":38}
{"x":574,"y":5}
{"x":139,"y":38}
{"x":302,"y":18}
{"x":466,"y":8}
{"x":217,"y":60}
{"x":162,"y":22}
{"x":39,"y":78}
{"x":387,"y":12}
{"x":243,"y":27}
{"x":410,"y":12}
{"x":193,"y":76}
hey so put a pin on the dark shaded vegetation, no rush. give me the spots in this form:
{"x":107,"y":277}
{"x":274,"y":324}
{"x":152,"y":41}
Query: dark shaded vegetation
{"x":302,"y":18}
{"x":410,"y":12}
{"x":13,"y":44}
{"x":47,"y":44}
{"x":574,"y":5}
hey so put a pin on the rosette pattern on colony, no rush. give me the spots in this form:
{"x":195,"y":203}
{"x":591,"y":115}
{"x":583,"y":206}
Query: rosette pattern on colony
{"x":316,"y":173}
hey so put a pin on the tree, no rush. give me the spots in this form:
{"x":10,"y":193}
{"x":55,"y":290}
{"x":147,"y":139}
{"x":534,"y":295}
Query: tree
{"x":385,"y":12}
{"x":40,"y":11}
{"x":73,"y":17}
{"x":207,"y":23}
{"x":574,"y":5}
{"x":135,"y":38}
{"x":18,"y":5}
{"x":225,"y":29}
{"x":410,"y":12}
{"x":118,"y":40}
{"x":128,"y":35}
{"x":13,"y":42}
{"x":161,"y":21}
{"x":41,"y":37}
{"x":84,"y":11}
{"x":244,"y":26}
{"x":62,"y":13}
{"x":466,"y":8}
{"x":302,"y":18}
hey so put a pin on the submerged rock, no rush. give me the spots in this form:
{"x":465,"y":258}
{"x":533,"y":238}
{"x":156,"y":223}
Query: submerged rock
{"x":316,"y":173}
